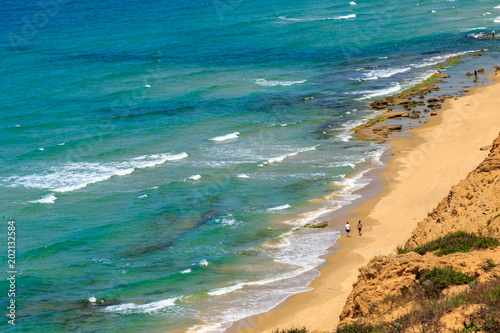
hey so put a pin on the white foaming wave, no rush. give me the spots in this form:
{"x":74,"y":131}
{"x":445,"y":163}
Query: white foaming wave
{"x":497,"y":7}
{"x":283,"y":242}
{"x":243,"y":176}
{"x":241,"y":285}
{"x":284,"y":18}
{"x":308,"y":217}
{"x":302,"y":249}
{"x":472,"y":29}
{"x":230,"y":136}
{"x":48,"y":199}
{"x":395,"y":88}
{"x":203,"y":262}
{"x":283,"y":157}
{"x":439,"y":59}
{"x":282,"y":207}
{"x":74,"y":176}
{"x":195,"y":177}
{"x":346,"y":129}
{"x":141,"y":308}
{"x":385,"y":73}
{"x":186,"y":271}
{"x":207,"y":328}
{"x":345,"y":17}
{"x":376,"y":74}
{"x":497,"y":19}
{"x":227,"y":220}
{"x":306,"y":248}
{"x":342,"y":17}
{"x":226,"y":290}
{"x":352,"y":3}
{"x":266,"y":83}
{"x":476,"y":35}
{"x":142,"y":196}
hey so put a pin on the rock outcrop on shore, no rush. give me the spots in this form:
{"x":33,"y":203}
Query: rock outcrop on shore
{"x":390,"y":288}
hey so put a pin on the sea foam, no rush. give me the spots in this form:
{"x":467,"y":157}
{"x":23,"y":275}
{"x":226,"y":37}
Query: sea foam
{"x":49,"y":198}
{"x":282,"y":207}
{"x":394,"y":88}
{"x":266,"y":83}
{"x":230,"y":136}
{"x":141,"y":308}
{"x":76,"y":175}
{"x":283,"y":157}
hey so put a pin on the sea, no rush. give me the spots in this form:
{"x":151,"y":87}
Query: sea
{"x":159,"y":159}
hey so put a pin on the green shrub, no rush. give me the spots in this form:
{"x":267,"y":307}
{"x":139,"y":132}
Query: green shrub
{"x":401,"y":250}
{"x":292,"y":330}
{"x":356,"y":328}
{"x":459,"y":241}
{"x":489,"y":264}
{"x":471,"y":327}
{"x":440,"y":278}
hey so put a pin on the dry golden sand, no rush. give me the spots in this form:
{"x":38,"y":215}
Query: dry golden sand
{"x":420,"y":174}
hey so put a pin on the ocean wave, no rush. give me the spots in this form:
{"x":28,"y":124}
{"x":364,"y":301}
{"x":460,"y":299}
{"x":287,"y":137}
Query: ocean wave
{"x":203,"y":262}
{"x":230,"y":136}
{"x":186,"y":271}
{"x":241,"y":285}
{"x":284,"y":18}
{"x":48,"y":199}
{"x":266,"y":83}
{"x":346,"y":129}
{"x":227,"y":220}
{"x":496,"y":20}
{"x":302,"y":249}
{"x":385,"y":73}
{"x":195,"y":177}
{"x":439,"y":59}
{"x":283,"y":157}
{"x":395,"y":88}
{"x":74,"y":176}
{"x":342,"y":17}
{"x":207,"y":328}
{"x":141,"y":308}
{"x":242,"y":176}
{"x":352,"y":3}
{"x":282,"y":207}
{"x":345,"y":17}
{"x":472,"y":29}
{"x":379,"y":73}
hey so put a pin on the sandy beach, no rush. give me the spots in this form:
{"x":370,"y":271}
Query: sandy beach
{"x":423,"y":168}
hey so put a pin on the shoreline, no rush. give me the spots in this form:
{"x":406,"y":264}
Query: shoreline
{"x":422,"y":169}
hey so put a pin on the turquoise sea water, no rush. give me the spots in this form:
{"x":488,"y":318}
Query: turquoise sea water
{"x":166,"y":154}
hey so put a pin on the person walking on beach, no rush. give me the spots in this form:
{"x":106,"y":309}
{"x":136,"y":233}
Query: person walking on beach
{"x":475,"y":73}
{"x":359,"y":227}
{"x":347,"y":229}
